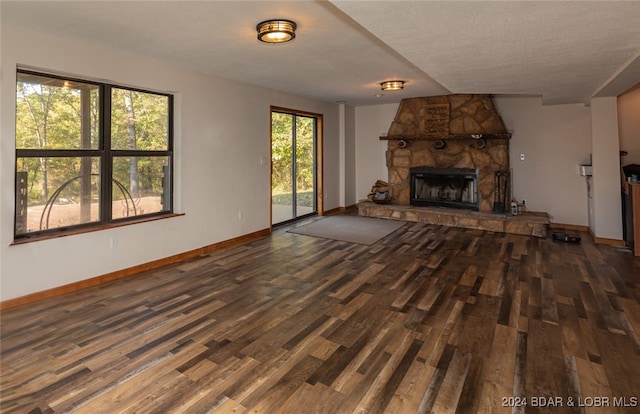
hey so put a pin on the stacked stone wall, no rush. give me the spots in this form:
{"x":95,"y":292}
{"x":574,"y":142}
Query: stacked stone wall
{"x":419,"y":144}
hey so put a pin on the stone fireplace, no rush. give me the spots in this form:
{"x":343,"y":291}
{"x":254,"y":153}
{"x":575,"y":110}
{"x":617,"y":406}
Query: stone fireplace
{"x":451,"y":151}
{"x":462,"y":132}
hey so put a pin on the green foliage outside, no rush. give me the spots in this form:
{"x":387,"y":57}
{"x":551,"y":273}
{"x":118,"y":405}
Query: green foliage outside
{"x":48,"y":117}
{"x":282,"y":128}
{"x":56,"y":114}
{"x":139,"y":121}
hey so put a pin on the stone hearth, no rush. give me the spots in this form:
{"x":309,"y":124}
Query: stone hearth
{"x":528,"y":224}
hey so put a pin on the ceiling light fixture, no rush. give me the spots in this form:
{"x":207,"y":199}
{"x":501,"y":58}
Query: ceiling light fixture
{"x":394,"y":85}
{"x":276,"y":31}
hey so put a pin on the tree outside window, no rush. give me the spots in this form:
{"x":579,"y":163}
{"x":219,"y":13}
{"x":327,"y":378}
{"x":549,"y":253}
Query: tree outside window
{"x":89,"y":153}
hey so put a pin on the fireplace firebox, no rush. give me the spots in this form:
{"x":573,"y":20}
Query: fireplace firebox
{"x":444,"y":187}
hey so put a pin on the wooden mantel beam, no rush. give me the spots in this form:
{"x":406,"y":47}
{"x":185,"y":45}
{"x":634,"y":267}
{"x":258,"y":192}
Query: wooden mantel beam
{"x":500,"y":135}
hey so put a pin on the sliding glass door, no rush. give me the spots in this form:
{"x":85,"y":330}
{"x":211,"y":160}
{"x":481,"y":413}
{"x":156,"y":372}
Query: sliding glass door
{"x":293,"y":166}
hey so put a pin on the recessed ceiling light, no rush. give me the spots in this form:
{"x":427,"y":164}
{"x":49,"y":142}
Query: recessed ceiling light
{"x":276,"y":31}
{"x":393,"y":85}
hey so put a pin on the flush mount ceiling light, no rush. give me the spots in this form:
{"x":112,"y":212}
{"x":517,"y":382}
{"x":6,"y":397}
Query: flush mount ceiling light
{"x":276,"y":31}
{"x":394,"y":85}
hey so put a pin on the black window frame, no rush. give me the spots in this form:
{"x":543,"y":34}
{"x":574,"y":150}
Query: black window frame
{"x":106,"y":157}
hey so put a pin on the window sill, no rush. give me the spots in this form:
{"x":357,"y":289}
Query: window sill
{"x":92,"y":229}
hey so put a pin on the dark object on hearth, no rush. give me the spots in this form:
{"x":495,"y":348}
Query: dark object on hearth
{"x":380,"y":193}
{"x":566,"y":237}
{"x":500,"y":186}
{"x":381,"y":198}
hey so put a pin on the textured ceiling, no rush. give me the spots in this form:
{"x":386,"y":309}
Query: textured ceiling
{"x":567,"y":52}
{"x":564,"y":50}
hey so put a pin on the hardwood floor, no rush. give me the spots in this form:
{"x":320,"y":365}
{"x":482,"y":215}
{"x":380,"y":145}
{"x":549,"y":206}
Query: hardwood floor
{"x":429,"y":319}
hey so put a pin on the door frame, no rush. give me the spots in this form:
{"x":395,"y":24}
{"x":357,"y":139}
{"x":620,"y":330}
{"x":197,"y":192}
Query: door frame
{"x":318,"y":162}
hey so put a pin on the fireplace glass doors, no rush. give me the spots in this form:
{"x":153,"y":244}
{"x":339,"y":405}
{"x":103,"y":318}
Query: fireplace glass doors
{"x":444,"y":187}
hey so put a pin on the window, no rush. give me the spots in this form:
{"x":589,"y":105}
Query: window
{"x":89,"y":154}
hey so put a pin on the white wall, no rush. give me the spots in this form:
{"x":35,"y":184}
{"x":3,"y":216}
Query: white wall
{"x":350,"y":156}
{"x":555,"y":140}
{"x":372,"y":122}
{"x":606,"y":206}
{"x":221,"y":134}
{"x":629,"y":125}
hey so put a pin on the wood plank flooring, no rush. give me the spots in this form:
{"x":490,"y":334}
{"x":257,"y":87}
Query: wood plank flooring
{"x":428,"y":319}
